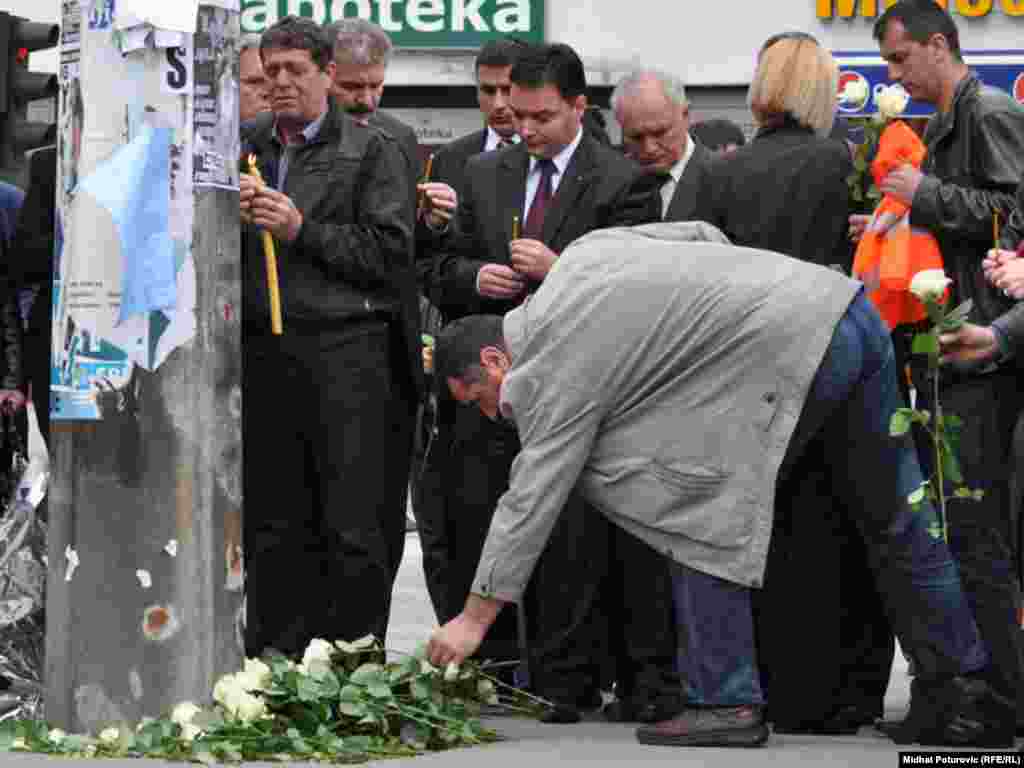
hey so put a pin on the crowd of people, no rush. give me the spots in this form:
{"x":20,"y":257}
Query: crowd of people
{"x":680,"y":449}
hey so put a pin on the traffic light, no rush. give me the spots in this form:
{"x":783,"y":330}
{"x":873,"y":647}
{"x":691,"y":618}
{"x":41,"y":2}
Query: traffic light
{"x":18,"y":86}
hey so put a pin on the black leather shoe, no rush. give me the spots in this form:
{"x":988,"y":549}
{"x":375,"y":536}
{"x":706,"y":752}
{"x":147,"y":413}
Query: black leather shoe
{"x":958,"y":712}
{"x":572,"y":712}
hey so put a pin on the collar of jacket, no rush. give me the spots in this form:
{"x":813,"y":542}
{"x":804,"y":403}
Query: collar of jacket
{"x":787,"y":125}
{"x":259,"y":132}
{"x":944,"y":123}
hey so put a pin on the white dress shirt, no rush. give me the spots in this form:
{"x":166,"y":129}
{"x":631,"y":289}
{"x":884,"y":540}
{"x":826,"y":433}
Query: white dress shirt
{"x":561,"y":161}
{"x":494,"y":139}
{"x":668,"y":189}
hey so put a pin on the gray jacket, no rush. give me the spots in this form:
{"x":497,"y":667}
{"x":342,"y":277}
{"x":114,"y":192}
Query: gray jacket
{"x":664,"y":370}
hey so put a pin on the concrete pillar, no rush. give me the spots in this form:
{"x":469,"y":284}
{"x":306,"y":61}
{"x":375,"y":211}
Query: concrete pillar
{"x":146,"y":430}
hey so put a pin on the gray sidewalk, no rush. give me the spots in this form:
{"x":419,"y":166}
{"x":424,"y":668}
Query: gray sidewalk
{"x":530,"y":744}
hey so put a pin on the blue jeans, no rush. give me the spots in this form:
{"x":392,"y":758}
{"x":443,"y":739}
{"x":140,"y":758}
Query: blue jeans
{"x":852,"y":399}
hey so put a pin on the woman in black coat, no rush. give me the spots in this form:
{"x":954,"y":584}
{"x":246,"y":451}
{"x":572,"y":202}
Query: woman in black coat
{"x":824,"y":645}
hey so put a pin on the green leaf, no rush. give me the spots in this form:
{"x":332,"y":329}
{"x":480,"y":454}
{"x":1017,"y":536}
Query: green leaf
{"x":935,"y":531}
{"x":900,"y":422}
{"x":309,"y":689}
{"x":925,"y":344}
{"x":956,"y":318}
{"x":420,"y":689}
{"x":917,"y":496}
{"x":950,"y":466}
{"x":379,"y":690}
{"x":368,"y":673}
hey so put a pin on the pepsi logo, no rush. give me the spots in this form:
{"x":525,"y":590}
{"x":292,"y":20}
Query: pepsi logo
{"x":1018,"y":88}
{"x":854,"y":91}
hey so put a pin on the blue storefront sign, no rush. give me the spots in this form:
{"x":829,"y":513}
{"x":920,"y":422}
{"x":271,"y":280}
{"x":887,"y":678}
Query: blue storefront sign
{"x":1000,"y":69}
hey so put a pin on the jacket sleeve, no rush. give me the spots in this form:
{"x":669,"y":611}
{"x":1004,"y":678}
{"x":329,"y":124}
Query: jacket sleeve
{"x":639,"y":202}
{"x":557,"y":429}
{"x":375,"y":249}
{"x":460,"y":262}
{"x":1011,"y":325}
{"x":945,"y":207}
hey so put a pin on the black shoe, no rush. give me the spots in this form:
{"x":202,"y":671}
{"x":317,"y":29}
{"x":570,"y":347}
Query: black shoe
{"x":959,"y":712}
{"x":845,"y":722}
{"x":708,"y":727}
{"x":561,"y":715}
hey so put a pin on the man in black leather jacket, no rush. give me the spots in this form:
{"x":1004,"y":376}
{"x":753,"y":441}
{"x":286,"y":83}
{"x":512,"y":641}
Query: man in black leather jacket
{"x":975,"y":158}
{"x":330,"y":402}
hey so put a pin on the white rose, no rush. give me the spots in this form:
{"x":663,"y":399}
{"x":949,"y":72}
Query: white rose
{"x":19,"y":743}
{"x":184,"y":712}
{"x":224,"y":689}
{"x":451,"y":672}
{"x":364,"y":643}
{"x":891,"y":102}
{"x":854,"y":92}
{"x":56,"y":735}
{"x":255,"y":676}
{"x":190,"y":732}
{"x":929,"y":284}
{"x":317,"y":650}
{"x":110,"y":735}
{"x":249,"y":707}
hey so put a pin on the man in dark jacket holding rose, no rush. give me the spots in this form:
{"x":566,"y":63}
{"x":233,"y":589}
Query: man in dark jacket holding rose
{"x":966,"y":185}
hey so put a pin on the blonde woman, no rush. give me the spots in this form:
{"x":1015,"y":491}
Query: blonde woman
{"x":786,"y":191}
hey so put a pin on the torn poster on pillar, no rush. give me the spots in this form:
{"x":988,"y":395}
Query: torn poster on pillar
{"x":217,"y":144}
{"x":172,"y":15}
{"x":70,"y":39}
{"x":134,"y":187}
{"x":124,"y":281}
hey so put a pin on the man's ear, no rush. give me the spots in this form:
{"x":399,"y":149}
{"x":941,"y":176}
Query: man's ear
{"x":579,"y":104}
{"x":494,"y":357}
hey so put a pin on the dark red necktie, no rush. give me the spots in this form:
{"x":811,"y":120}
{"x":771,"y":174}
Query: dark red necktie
{"x":541,"y":200}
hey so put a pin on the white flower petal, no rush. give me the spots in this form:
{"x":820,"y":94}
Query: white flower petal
{"x":171,"y":548}
{"x":144,"y":578}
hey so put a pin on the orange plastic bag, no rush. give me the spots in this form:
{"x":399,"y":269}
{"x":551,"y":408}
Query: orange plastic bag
{"x":891,"y":252}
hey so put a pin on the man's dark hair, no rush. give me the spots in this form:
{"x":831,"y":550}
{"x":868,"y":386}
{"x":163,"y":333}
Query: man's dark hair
{"x":498,"y":53}
{"x":457,"y":347}
{"x":297,"y":33}
{"x":718,"y":133}
{"x":921,"y":19}
{"x":556,"y":64}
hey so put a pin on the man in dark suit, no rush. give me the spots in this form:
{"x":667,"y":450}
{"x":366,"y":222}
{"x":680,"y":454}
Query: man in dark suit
{"x":560,"y":184}
{"x":654,"y":114}
{"x":435,"y":527}
{"x":330,"y":402}
{"x":362,"y":51}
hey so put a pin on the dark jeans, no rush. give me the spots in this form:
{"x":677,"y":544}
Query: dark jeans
{"x":327,"y":445}
{"x":851,"y":401}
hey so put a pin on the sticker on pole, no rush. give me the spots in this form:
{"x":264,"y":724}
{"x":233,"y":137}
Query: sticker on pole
{"x":177,"y":69}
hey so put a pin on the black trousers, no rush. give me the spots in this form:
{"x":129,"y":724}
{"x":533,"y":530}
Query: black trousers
{"x":641,"y":620}
{"x":327,"y":440}
{"x":983,"y":533}
{"x":823,"y":640}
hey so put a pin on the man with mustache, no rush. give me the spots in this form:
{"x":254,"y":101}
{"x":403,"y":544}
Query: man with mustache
{"x":330,"y":402}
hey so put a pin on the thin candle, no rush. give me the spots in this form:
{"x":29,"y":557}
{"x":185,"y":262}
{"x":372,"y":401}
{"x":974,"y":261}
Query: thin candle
{"x":270,"y":256}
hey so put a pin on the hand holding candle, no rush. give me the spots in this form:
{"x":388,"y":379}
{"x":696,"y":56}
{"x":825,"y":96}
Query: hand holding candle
{"x":270,"y":256}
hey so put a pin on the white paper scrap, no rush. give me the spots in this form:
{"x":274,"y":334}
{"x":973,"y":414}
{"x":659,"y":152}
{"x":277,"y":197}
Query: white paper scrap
{"x":172,"y":548}
{"x":144,"y":578}
{"x":73,"y":562}
{"x":177,"y":15}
